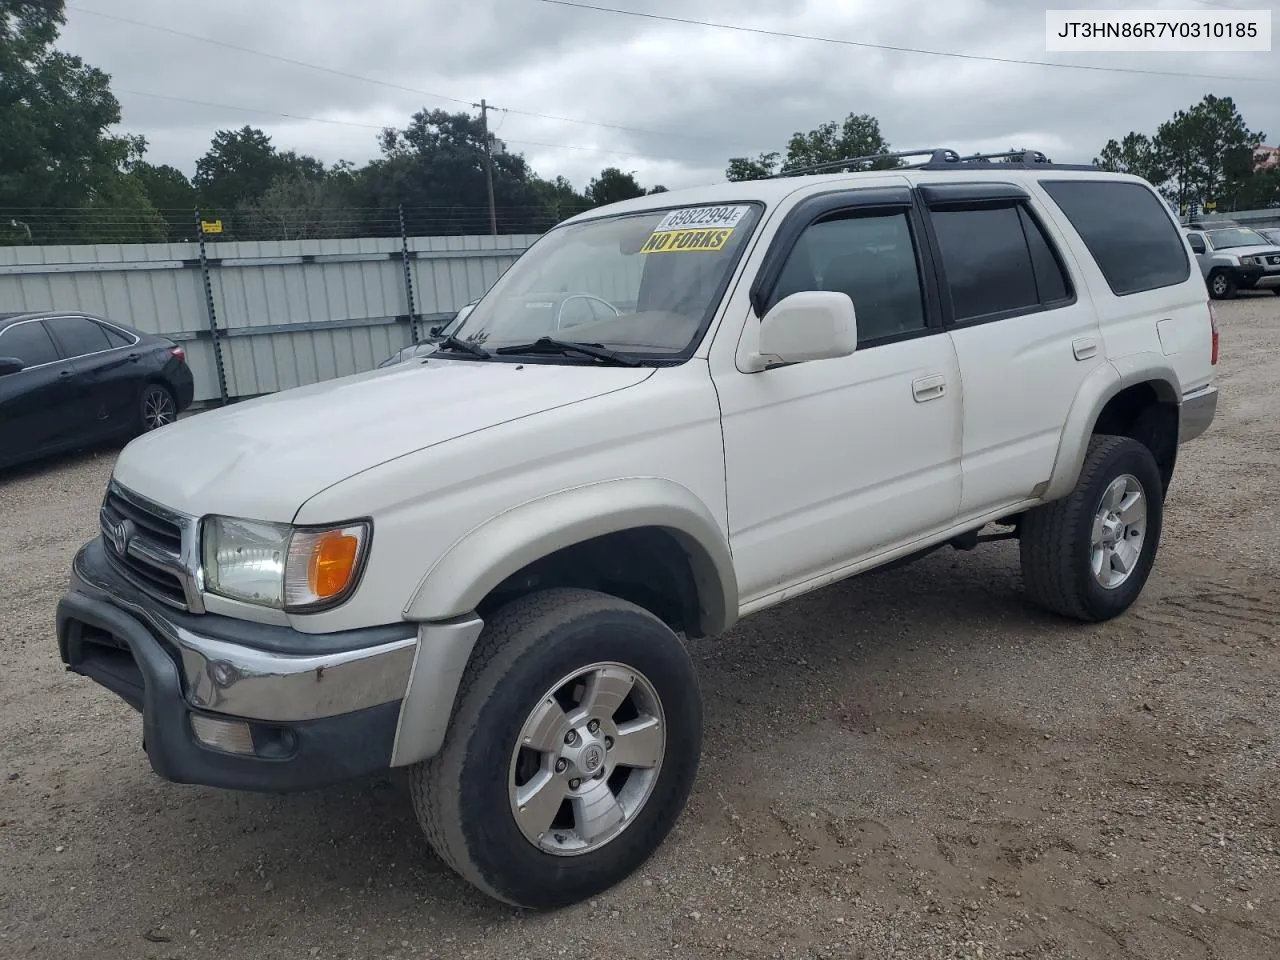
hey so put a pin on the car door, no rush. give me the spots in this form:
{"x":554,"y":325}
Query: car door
{"x":109,"y":375}
{"x":1026,"y":339}
{"x":833,"y":461}
{"x":37,"y":404}
{"x":1200,"y":250}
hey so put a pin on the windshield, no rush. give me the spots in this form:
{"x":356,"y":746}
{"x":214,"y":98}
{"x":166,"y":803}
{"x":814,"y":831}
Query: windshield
{"x":1237,"y":237}
{"x":641,"y":284}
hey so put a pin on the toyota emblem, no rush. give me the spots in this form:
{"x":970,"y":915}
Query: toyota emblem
{"x":120,"y":534}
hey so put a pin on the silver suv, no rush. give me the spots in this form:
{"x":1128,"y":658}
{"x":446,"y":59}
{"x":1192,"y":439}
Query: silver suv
{"x":1234,"y":258}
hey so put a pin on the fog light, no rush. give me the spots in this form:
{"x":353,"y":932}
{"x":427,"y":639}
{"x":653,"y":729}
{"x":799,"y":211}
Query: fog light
{"x":229,"y":736}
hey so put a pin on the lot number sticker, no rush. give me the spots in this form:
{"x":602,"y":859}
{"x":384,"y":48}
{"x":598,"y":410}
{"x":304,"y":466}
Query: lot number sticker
{"x":694,"y":229}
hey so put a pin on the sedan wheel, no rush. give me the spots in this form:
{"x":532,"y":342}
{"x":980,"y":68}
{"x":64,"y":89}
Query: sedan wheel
{"x":158,"y":408}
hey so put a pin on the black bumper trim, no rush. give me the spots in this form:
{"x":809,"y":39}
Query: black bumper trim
{"x":110,"y":646}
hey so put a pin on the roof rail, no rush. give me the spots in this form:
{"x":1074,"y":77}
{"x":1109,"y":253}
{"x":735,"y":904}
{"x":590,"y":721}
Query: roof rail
{"x":941,"y":158}
{"x":935,"y":154}
{"x":1015,"y":159}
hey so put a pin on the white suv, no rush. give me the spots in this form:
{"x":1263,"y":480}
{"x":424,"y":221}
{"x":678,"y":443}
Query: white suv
{"x":480,"y":566}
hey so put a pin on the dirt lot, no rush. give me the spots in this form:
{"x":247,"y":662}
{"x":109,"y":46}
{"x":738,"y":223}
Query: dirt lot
{"x":916,"y":764}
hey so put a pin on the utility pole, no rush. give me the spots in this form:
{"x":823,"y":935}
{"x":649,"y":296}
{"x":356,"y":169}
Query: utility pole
{"x":488,"y":163}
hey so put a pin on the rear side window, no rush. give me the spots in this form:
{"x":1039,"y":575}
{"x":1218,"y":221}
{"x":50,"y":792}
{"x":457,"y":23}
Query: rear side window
{"x":1128,"y":231}
{"x":78,"y":335}
{"x":115,"y":337}
{"x":997,"y":262}
{"x":29,"y":342}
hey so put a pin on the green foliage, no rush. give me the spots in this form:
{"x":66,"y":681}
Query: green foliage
{"x":171,"y":193}
{"x":612,"y":186}
{"x":858,"y":136}
{"x":1203,"y":154}
{"x":65,"y":176}
{"x":57,"y":156}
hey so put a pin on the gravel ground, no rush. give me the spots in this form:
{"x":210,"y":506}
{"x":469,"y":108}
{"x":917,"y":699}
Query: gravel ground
{"x":914,"y":764}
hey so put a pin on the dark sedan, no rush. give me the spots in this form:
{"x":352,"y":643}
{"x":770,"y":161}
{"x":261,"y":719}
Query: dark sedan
{"x":68,"y":379}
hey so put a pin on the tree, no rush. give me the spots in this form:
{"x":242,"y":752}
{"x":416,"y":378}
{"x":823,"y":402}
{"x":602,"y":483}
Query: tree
{"x":238,"y":167}
{"x":1260,"y":191}
{"x":1137,"y":154}
{"x":744,"y":168}
{"x":436,"y":167}
{"x":857,"y":136}
{"x":558,"y":200}
{"x":57,"y":157}
{"x":1223,"y":146}
{"x":656,"y":188}
{"x":300,"y":205}
{"x":1201,"y":154}
{"x":613,"y":185}
{"x":171,"y":193}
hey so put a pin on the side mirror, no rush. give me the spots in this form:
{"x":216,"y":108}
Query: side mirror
{"x":810,"y":325}
{"x":10,"y":365}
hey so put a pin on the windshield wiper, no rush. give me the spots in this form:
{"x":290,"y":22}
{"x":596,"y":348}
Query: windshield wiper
{"x":548,"y":345}
{"x":466,"y":346}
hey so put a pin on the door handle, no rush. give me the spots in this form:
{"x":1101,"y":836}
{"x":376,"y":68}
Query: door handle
{"x":66,"y":375}
{"x":134,"y":357}
{"x":1084,"y":347}
{"x":928,"y":388}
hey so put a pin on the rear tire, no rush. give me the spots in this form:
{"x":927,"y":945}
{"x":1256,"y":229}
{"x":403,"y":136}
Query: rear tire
{"x":1088,"y":555}
{"x":528,"y":802}
{"x":157,"y":407}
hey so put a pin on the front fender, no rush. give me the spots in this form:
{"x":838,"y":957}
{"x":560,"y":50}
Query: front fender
{"x":499,"y":547}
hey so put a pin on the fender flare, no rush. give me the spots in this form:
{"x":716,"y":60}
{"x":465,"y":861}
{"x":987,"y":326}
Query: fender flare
{"x":497,"y":548}
{"x":1103,"y":384}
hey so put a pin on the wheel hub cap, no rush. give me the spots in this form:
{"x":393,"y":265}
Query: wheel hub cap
{"x":587,"y":759}
{"x":1119,"y":532}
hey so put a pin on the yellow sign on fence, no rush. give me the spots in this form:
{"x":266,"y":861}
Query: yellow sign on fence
{"x":211,"y":226}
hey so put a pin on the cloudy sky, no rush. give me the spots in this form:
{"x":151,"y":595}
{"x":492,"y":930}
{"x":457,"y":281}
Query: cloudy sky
{"x":672,"y":101}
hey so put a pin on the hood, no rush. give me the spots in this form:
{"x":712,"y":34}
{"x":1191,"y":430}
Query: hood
{"x":1266,"y":250}
{"x":264,"y":458}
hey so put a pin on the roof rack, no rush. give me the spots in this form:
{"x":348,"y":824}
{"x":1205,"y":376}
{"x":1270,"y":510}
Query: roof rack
{"x":935,"y":154}
{"x":943,"y":158}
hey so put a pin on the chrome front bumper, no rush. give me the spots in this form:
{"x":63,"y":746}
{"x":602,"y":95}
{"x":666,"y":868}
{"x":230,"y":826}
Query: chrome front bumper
{"x":350,"y":702}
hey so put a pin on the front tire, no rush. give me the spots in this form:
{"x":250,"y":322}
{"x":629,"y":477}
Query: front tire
{"x":572,"y":752}
{"x":1221,"y":285}
{"x":1089,"y":554}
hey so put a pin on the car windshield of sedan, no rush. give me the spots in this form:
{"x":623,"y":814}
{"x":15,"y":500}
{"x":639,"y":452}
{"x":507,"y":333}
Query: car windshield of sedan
{"x":644,"y":284}
{"x":1238,"y":237}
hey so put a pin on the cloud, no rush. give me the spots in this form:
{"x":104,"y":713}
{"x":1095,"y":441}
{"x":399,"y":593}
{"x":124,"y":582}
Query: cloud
{"x":693,"y":96}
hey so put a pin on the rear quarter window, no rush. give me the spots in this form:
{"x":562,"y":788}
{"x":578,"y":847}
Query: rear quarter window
{"x":1127,"y":230}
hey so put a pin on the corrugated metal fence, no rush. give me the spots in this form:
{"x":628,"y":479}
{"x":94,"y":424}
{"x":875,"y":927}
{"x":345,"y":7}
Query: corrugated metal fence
{"x":287,"y":312}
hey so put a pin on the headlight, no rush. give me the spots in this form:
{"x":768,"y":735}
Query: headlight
{"x":1247,"y":261}
{"x":282,"y":566}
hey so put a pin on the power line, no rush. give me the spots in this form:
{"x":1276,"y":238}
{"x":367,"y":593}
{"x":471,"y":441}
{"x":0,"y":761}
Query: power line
{"x":382,"y":83}
{"x":897,"y":49}
{"x":372,"y":126}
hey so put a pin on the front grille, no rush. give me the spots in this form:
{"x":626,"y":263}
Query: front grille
{"x":149,"y":546}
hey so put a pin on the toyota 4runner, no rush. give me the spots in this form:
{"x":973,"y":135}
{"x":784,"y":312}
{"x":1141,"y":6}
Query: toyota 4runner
{"x":481,"y":566}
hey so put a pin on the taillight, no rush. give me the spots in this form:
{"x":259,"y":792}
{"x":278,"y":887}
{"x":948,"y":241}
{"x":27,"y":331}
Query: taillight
{"x":1213,"y":327}
{"x":182,"y":354}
